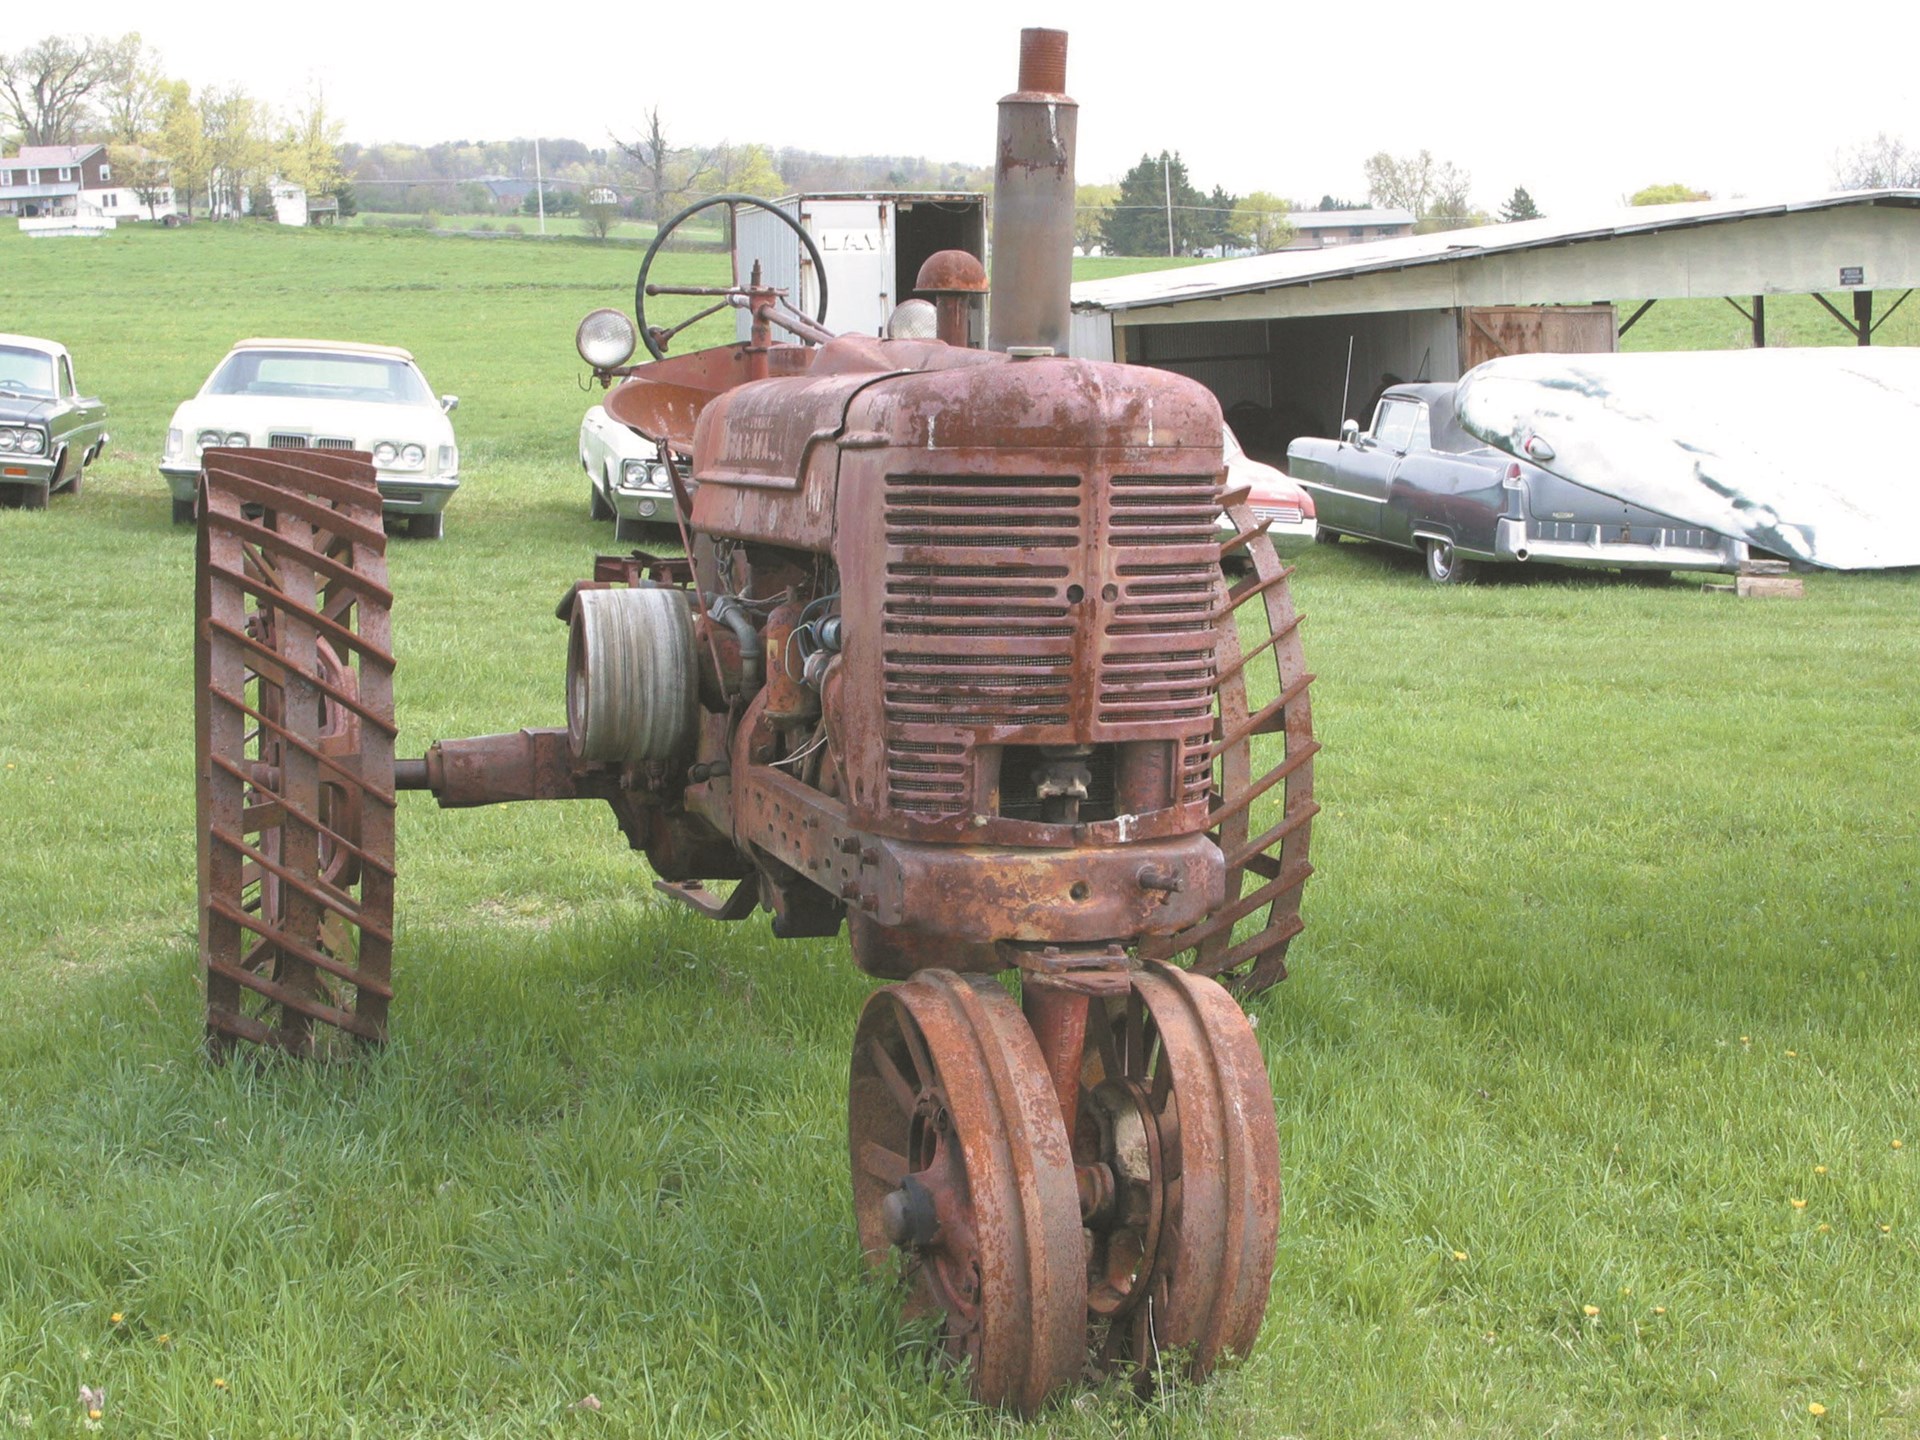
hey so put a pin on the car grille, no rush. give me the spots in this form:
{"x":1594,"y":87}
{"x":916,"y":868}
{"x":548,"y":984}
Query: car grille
{"x":1278,"y":514}
{"x":287,"y":440}
{"x":1671,"y":538}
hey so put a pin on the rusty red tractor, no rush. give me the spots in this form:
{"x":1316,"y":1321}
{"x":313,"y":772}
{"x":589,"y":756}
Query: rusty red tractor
{"x":958,"y":657}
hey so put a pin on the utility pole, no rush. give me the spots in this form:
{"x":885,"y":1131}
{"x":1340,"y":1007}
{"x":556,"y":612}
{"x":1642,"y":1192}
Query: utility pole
{"x":1166,"y":175}
{"x":539,"y":186}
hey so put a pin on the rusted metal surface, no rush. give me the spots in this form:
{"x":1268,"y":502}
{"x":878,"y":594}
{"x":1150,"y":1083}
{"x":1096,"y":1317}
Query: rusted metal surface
{"x":1176,"y":1121}
{"x":957,"y":282}
{"x":1033,"y":201}
{"x":294,"y":750}
{"x":961,"y":1161}
{"x":1270,"y":722}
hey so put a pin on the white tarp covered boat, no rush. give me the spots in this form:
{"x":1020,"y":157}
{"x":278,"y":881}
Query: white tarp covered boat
{"x":1813,"y":454}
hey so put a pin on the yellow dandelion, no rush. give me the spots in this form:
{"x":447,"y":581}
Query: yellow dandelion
{"x":1886,"y":1229}
{"x":1896,"y":1145}
{"x":1459,"y":1254}
{"x":1746,"y":1039}
{"x":1824,"y":1227}
{"x":116,"y":1317}
{"x":94,"y":1414}
{"x":164,"y":1339}
{"x":1814,"y":1407}
{"x":1819,"y":1169}
{"x":1793,"y":1054}
{"x":1798,"y":1204}
{"x":1590,"y":1310}
{"x":219,"y":1384}
{"x":1659,"y":1309}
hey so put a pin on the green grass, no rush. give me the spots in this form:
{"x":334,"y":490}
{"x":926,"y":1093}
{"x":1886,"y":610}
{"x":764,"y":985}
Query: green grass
{"x":1595,"y":857}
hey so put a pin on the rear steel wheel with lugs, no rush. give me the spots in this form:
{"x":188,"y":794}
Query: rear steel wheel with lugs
{"x":1261,"y":684}
{"x":294,"y":751}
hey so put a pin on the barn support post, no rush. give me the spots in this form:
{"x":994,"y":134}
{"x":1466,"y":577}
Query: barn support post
{"x":1863,"y":316}
{"x":1759,"y":322}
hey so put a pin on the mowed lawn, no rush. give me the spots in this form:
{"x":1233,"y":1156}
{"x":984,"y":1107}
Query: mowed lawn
{"x":1597,"y":1073}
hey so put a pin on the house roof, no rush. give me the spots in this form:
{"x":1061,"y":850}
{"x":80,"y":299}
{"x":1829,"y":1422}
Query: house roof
{"x":55,"y":155}
{"x":1291,"y":268}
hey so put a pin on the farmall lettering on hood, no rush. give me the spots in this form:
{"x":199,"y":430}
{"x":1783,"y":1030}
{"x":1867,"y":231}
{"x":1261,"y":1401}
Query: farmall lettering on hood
{"x":1802,"y":453}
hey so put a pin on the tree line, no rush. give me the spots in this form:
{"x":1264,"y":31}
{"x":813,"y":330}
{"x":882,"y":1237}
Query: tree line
{"x":209,"y":147}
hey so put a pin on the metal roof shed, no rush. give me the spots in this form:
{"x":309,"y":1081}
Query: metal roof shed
{"x":1274,"y":330}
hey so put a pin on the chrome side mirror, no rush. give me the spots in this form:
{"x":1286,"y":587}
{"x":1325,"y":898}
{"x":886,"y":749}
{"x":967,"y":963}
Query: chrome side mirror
{"x":1349,"y":432}
{"x":449,"y":404}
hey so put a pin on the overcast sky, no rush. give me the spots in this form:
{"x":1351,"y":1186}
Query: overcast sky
{"x":1581,"y":104}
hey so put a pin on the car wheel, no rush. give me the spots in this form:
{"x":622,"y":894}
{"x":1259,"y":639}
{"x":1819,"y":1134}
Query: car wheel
{"x":33,"y":497}
{"x":1324,"y":536}
{"x":1444,"y":565}
{"x":427,"y":527}
{"x":183,"y":512}
{"x":597,"y":506}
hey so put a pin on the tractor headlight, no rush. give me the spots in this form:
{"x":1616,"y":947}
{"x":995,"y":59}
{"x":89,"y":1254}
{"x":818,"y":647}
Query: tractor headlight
{"x":605,"y":339}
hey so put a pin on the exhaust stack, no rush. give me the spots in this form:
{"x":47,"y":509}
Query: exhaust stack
{"x":1033,"y":202}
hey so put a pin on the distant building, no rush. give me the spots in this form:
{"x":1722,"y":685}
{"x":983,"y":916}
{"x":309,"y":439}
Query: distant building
{"x":71,"y":182}
{"x":1317,"y":229}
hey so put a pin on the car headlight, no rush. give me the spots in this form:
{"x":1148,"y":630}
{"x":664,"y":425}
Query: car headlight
{"x":209,"y":439}
{"x":641,"y":473}
{"x":9,"y":439}
{"x":385,"y":453}
{"x":32,"y":442}
{"x":413,"y":456}
{"x":238,"y":439}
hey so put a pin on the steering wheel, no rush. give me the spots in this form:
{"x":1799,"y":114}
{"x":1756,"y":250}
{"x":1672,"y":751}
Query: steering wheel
{"x":657,"y":341}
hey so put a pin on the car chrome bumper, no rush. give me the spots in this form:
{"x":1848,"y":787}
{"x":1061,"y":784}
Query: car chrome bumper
{"x":644,"y":507}
{"x":1280,"y":531}
{"x":1665,"y":549}
{"x":26,"y":470}
{"x":416,"y":494}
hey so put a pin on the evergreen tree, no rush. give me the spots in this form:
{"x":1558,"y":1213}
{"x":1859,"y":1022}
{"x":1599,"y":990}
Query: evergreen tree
{"x":1519,"y":206}
{"x":1137,"y":222}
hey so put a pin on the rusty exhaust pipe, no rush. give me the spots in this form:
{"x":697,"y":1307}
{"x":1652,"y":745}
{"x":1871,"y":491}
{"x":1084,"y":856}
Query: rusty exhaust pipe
{"x":1033,"y":202}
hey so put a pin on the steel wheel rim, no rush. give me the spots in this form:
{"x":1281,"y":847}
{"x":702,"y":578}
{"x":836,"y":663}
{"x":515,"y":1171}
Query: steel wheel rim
{"x":946,"y":1077}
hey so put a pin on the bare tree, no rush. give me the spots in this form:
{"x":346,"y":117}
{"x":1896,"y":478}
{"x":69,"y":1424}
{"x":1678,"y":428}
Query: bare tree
{"x":1402,"y":183}
{"x":44,"y":88}
{"x":1882,"y":163}
{"x":669,"y":173}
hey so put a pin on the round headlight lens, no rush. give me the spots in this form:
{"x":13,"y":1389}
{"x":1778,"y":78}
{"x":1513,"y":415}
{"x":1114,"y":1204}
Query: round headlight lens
{"x":238,"y":439}
{"x":633,"y":472}
{"x":414,"y":455}
{"x":605,"y":339}
{"x":385,"y":453}
{"x":32,"y":442}
{"x":9,"y":439}
{"x":207,"y":439}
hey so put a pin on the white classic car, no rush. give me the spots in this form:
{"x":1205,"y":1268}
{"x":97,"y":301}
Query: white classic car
{"x":324,"y":395}
{"x":626,"y":483}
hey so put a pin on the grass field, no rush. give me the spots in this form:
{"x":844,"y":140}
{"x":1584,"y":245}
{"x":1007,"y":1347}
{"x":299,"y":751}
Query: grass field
{"x":1596,"y":1073}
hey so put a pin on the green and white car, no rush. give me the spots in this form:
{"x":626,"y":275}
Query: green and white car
{"x":49,"y":432}
{"x":324,"y":395}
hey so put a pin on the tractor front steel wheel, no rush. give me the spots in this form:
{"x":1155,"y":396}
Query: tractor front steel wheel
{"x":961,"y":1164}
{"x":1176,"y":1121}
{"x":294,"y":751}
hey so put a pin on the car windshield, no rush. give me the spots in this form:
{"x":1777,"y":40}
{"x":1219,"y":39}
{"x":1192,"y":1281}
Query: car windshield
{"x":319,"y":375}
{"x":25,"y":372}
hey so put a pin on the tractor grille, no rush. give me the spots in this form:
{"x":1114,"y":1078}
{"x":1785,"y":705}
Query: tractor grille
{"x":1159,"y":632}
{"x":987,"y":581}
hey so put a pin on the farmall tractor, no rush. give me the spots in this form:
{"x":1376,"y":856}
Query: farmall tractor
{"x":958,"y":657}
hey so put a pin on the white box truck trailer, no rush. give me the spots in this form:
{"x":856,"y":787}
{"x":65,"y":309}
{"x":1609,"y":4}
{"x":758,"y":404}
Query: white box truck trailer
{"x":872,"y":244}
